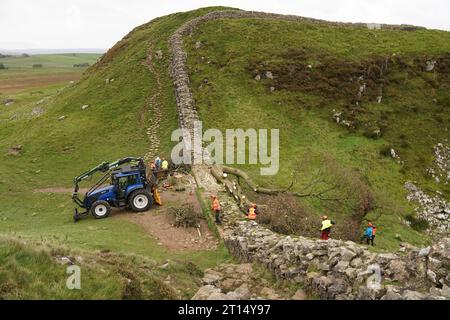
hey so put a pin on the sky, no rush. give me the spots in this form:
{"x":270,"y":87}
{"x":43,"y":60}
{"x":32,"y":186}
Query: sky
{"x":64,"y":24}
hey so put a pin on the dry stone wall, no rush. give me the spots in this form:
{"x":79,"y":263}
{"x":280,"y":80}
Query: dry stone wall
{"x":331,"y":269}
{"x":341,"y":270}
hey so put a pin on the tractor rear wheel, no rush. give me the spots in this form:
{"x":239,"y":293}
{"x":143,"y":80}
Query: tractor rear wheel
{"x":100,"y":209}
{"x":140,"y":200}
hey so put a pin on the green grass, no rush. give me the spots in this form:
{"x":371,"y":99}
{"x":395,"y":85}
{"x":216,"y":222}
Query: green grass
{"x":305,"y":117}
{"x":30,"y":87}
{"x":54,"y":222}
{"x":34,"y":270}
{"x":114,"y":126}
{"x":27,"y":273}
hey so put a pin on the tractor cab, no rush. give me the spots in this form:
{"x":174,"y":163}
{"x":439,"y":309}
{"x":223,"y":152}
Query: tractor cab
{"x":129,"y":186}
{"x":124,"y":183}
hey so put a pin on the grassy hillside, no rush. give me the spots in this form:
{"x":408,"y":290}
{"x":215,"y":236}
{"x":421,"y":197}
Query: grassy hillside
{"x":38,"y":271}
{"x":28,"y":88}
{"x":58,"y":140}
{"x":114,"y":126}
{"x":317,"y":72}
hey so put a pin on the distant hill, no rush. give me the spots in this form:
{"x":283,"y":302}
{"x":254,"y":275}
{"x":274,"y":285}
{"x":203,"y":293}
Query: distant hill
{"x":345,"y":97}
{"x":60,"y":60}
{"x":360,"y":112}
{"x":47,"y":140}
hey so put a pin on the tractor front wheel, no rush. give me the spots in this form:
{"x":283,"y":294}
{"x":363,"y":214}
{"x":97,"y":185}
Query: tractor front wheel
{"x":140,"y":200}
{"x":100,"y":209}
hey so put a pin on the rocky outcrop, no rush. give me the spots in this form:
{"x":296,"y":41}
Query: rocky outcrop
{"x":441,"y":171}
{"x":434,"y":209}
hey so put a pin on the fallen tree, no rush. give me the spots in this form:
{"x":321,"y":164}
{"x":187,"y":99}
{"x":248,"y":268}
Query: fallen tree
{"x":219,"y":171}
{"x":337,"y":187}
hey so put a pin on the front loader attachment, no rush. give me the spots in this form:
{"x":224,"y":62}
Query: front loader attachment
{"x":79,"y":215}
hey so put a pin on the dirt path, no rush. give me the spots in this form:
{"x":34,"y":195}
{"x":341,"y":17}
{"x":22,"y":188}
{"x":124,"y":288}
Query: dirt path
{"x":158,"y":223}
{"x":153,"y":106}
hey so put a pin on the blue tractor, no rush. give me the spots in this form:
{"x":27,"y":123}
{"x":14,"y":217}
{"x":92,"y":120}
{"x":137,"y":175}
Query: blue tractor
{"x":128,"y":186}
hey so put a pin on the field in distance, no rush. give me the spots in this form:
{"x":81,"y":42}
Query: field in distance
{"x":23,"y":72}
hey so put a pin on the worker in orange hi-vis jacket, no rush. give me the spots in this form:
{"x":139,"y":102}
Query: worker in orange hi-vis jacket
{"x":216,"y":208}
{"x":252,"y":212}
